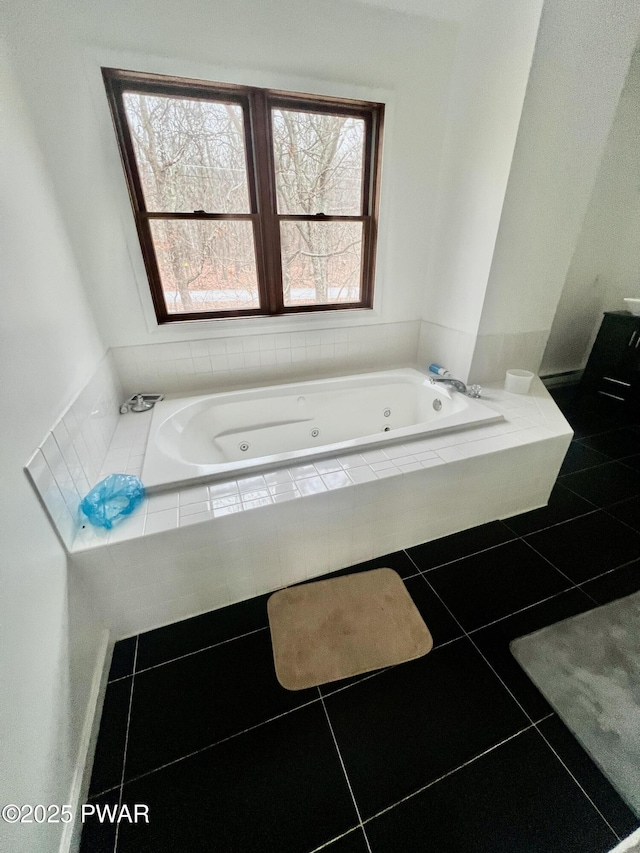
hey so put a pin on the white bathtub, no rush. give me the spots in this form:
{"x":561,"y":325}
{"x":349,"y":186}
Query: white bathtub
{"x":220,"y":435}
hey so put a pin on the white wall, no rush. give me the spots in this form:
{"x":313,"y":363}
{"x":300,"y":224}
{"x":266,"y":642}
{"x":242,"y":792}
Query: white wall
{"x":582,"y":56}
{"x":606,"y":263}
{"x":324,"y":45}
{"x":49,"y":638}
{"x":488,"y":89}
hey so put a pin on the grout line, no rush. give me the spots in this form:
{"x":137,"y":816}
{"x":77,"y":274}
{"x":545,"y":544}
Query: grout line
{"x":542,"y":719}
{"x":534,"y":724}
{"x":594,"y":434}
{"x":556,"y":523}
{"x":588,"y":798}
{"x":521,"y":610}
{"x":410,"y":577}
{"x":474,"y":644}
{"x":344,"y":770}
{"x":578,"y":585}
{"x":588,"y":594}
{"x":105,"y":791}
{"x":197,"y":651}
{"x":414,"y":563}
{"x":119,"y":678}
{"x":126,"y":741}
{"x":572,"y":583}
{"x":218,"y":742}
{"x":338,"y":838}
{"x":620,"y":520}
{"x":610,"y":461}
{"x":604,"y":574}
{"x":501,"y":618}
{"x":623,"y":461}
{"x":370,"y":675}
{"x":359,"y":681}
{"x":450,"y":772}
{"x":514,"y":536}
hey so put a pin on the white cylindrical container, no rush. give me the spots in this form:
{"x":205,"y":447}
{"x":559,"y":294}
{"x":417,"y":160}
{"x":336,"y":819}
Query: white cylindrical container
{"x":518,"y":381}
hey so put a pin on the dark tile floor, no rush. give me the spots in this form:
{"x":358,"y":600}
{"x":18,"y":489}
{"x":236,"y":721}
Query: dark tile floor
{"x":456,"y":751}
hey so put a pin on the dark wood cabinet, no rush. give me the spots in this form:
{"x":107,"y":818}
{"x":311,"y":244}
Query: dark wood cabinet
{"x":612,"y":374}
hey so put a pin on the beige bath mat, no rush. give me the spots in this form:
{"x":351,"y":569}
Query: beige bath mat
{"x":343,"y":626}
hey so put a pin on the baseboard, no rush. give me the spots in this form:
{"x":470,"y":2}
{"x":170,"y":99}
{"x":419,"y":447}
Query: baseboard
{"x":70,"y":840}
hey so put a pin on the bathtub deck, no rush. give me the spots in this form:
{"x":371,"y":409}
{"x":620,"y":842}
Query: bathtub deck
{"x":192,"y":550}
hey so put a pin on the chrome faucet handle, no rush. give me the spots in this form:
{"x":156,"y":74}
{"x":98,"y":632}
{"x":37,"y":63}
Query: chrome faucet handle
{"x":474,"y":391}
{"x":139,"y":404}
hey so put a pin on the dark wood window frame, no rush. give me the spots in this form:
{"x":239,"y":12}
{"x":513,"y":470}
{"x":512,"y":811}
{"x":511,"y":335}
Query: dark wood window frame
{"x":256,"y":105}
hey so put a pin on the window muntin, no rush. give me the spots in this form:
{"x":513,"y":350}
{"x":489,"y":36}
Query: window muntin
{"x":247,"y":201}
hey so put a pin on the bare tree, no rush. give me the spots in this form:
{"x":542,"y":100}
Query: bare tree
{"x":191,"y":157}
{"x":319,"y":170}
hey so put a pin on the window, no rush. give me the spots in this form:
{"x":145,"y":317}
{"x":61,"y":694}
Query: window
{"x":248,"y":201}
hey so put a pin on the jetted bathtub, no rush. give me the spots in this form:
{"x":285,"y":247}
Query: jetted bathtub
{"x":194,"y":439}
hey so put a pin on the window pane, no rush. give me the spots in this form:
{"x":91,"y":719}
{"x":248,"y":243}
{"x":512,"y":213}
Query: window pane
{"x":206,"y":265}
{"x":190,"y":153}
{"x":321,"y":262}
{"x":318,"y":161}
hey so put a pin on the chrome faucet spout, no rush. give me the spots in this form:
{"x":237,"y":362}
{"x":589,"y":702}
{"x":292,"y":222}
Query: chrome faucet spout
{"x":471,"y":391}
{"x":447,"y":380}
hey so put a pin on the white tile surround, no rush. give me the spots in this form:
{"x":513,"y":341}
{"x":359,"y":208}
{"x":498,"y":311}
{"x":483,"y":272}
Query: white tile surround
{"x":68,"y":460}
{"x":216,"y":364}
{"x":189,"y":551}
{"x":479,"y":358}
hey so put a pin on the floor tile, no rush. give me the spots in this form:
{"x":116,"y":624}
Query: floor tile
{"x":190,"y":635}
{"x":604,"y":484}
{"x":109,"y":755}
{"x":563,"y":505}
{"x":564,"y":395}
{"x":277,"y":788}
{"x":458,"y":545}
{"x":616,"y":443}
{"x":99,"y":835}
{"x":632,"y":462}
{"x":487,"y":586}
{"x":584,"y":421}
{"x":198,"y":700}
{"x":615,"y":584}
{"x":627,"y":511}
{"x":281,"y":786}
{"x":398,"y":561}
{"x":354,"y":842}
{"x":580,"y":456}
{"x":493,"y":641}
{"x":587,"y":546}
{"x":441,"y":624}
{"x":438,"y":620}
{"x":407,"y":726}
{"x":516,"y":798}
{"x":594,"y":783}
{"x":123,"y":657}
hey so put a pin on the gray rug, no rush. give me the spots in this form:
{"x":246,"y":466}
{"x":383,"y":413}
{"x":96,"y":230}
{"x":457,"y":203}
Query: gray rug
{"x":588,"y":668}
